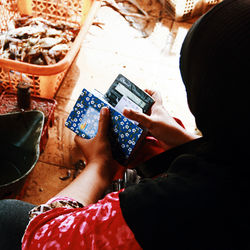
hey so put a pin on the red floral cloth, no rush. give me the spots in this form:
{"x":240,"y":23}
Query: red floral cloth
{"x":97,"y":226}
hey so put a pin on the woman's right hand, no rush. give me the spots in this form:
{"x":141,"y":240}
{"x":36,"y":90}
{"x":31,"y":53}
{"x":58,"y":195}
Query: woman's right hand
{"x":160,"y":124}
{"x":98,"y":149}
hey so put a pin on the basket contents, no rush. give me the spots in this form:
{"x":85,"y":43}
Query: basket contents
{"x":36,"y":40}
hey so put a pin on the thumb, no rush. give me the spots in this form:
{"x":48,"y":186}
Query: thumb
{"x":142,"y":118}
{"x":103,"y":122}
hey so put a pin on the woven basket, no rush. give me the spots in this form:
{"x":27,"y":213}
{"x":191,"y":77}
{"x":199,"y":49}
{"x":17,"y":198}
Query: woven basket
{"x":44,"y":80}
{"x":185,"y":9}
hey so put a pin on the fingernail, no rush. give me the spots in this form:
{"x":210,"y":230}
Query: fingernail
{"x":104,"y":111}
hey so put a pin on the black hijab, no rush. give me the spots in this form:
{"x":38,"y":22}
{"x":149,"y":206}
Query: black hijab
{"x":202,"y":202}
{"x":215,"y":69}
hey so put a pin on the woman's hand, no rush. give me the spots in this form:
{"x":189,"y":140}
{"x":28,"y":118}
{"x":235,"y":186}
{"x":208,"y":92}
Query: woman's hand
{"x":98,"y":148}
{"x":160,"y":124}
{"x":100,"y":169}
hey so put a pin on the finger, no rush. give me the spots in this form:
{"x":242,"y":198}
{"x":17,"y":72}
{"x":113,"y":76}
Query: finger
{"x":155,"y":95}
{"x":103,"y":122}
{"x":142,"y":118}
{"x":157,"y":98}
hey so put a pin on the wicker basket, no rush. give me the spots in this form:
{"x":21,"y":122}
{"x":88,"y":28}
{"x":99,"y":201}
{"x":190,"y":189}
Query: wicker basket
{"x":185,"y":9}
{"x":44,"y":80}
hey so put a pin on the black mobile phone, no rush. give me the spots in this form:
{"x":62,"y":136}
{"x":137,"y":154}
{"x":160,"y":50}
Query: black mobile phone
{"x":124,"y":93}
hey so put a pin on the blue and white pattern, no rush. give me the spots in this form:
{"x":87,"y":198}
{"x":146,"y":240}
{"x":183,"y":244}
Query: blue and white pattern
{"x":84,"y":118}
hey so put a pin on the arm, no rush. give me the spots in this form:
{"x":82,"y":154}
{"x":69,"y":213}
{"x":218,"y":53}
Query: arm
{"x":88,"y":187}
{"x":160,"y":124}
{"x":65,"y":224}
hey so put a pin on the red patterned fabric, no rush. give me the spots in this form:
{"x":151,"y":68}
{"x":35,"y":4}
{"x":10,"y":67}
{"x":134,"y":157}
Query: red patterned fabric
{"x":97,"y":226}
{"x":59,"y":224}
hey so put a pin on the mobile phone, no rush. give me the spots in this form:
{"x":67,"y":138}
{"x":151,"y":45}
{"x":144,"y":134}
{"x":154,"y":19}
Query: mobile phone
{"x":124,"y":93}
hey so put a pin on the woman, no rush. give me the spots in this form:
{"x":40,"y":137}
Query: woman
{"x":200,"y":199}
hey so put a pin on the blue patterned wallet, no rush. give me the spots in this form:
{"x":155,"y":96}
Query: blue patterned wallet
{"x":84,"y":119}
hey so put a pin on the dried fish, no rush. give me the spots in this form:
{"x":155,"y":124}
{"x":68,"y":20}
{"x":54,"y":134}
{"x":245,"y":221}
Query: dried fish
{"x":36,"y":40}
{"x":48,"y":59}
{"x":49,"y":42}
{"x":27,"y":30}
{"x":58,"y":51}
{"x":33,"y":40}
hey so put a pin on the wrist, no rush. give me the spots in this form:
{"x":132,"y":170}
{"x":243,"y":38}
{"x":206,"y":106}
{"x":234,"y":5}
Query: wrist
{"x":103,"y":169}
{"x":183,"y":136}
{"x":177,"y":136}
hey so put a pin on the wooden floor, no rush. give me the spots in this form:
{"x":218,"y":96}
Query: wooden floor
{"x":117,"y":48}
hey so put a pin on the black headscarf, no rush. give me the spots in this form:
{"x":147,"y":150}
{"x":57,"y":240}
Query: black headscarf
{"x":202,"y":201}
{"x":215,"y":69}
